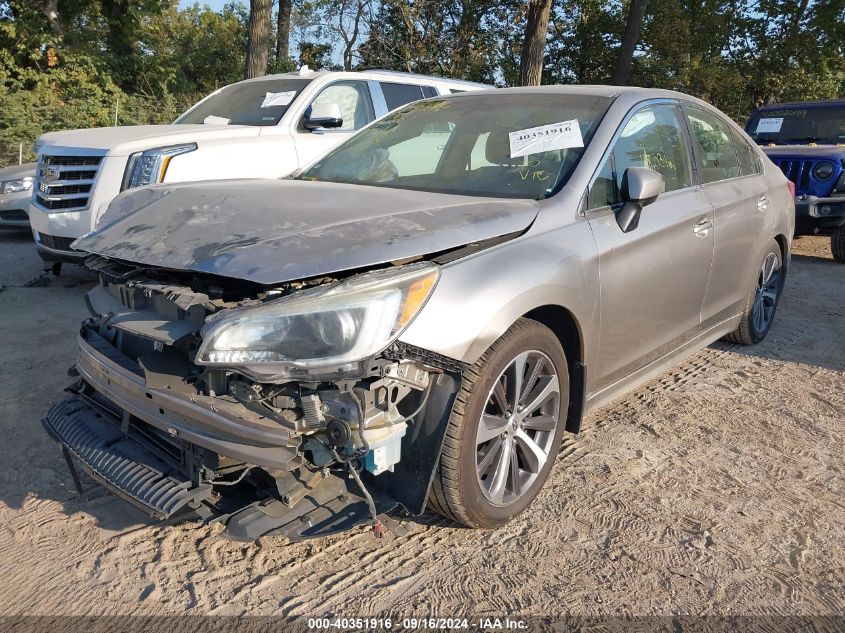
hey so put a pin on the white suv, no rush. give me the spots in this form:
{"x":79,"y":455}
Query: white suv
{"x":265,"y":127}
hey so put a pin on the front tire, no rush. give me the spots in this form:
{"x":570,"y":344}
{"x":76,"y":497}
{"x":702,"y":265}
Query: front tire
{"x":761,"y":305}
{"x":505,"y":429}
{"x":837,"y":244}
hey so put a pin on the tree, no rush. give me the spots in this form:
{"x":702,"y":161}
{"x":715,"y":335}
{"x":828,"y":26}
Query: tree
{"x":258,"y":42}
{"x":283,"y":30}
{"x":629,"y":42}
{"x":452,"y":38}
{"x":315,"y":56}
{"x":534,"y":43}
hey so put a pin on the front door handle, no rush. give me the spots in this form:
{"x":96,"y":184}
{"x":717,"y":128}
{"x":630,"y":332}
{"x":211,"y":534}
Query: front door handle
{"x":763,"y":203}
{"x":703,"y":227}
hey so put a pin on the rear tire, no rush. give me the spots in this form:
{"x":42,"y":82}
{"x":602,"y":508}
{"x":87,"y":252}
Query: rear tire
{"x":761,"y":304}
{"x":505,"y":429}
{"x":837,"y":244}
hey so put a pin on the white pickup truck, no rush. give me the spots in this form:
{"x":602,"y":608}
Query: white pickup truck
{"x":267,"y":127}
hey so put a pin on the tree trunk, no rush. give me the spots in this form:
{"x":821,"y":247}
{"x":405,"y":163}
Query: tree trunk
{"x":121,"y":39}
{"x":534,"y":44}
{"x":283,"y":30}
{"x":258,"y":44}
{"x":629,"y":43}
{"x":50,"y":9}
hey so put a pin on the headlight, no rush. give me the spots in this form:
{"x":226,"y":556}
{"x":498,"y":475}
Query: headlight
{"x":16,"y":186}
{"x":823,"y":171}
{"x":149,"y":168}
{"x":324,"y":330}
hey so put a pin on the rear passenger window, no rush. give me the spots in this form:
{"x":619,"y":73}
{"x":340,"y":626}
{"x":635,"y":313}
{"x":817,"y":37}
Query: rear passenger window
{"x":714,"y":148}
{"x":397,"y":95}
{"x":749,"y":162}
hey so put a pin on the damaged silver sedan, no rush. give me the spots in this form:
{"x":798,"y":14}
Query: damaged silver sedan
{"x":415,"y":320}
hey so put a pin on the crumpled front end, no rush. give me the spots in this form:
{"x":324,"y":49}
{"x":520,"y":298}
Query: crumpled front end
{"x":301,"y":456}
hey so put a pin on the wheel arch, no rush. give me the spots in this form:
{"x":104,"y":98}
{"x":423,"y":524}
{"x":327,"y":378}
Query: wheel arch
{"x":780,"y":238}
{"x":566,"y":328}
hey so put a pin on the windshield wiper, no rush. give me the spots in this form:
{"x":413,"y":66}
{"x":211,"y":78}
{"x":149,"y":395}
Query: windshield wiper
{"x":768,"y":139}
{"x":813,"y":139}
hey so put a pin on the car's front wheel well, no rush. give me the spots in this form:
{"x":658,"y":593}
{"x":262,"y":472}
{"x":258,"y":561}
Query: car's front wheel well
{"x":564,"y":326}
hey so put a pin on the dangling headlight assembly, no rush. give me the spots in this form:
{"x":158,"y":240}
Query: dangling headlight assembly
{"x":150,"y":167}
{"x":323,"y":331}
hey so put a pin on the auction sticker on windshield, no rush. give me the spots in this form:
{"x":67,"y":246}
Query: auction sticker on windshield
{"x":770,"y":125}
{"x":278,"y":99}
{"x":543,"y":138}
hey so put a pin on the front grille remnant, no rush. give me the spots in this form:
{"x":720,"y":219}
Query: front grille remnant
{"x":65,"y":182}
{"x":120,"y":462}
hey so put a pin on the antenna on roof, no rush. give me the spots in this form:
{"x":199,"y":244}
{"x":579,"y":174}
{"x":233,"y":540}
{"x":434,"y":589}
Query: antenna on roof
{"x":304,"y":70}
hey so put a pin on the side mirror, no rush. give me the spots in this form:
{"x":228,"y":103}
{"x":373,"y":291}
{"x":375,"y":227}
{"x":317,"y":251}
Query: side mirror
{"x":323,"y":115}
{"x":640,"y":187}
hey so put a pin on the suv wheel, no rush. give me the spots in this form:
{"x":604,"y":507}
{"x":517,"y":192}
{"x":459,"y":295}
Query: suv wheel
{"x":505,"y":429}
{"x":760,"y":307}
{"x":837,"y":244}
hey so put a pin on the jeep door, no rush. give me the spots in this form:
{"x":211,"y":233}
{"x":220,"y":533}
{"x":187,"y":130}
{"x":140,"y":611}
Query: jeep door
{"x":732,"y":178}
{"x":653,"y":279}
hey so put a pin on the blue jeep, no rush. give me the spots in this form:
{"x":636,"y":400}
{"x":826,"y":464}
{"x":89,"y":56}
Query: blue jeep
{"x":807,"y":141}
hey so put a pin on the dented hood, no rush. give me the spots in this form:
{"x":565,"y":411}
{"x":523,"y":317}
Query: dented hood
{"x":273,"y":231}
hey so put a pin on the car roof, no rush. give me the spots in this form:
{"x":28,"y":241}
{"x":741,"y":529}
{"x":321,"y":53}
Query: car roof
{"x":826,"y":103}
{"x":627,"y":94}
{"x":375,"y":73}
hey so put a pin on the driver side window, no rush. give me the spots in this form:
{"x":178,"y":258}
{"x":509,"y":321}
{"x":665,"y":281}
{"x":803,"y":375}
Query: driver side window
{"x":353,"y":98}
{"x":654,"y":138}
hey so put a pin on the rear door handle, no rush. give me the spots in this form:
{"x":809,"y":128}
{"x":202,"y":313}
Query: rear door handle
{"x":763,"y":203}
{"x":704,"y":225}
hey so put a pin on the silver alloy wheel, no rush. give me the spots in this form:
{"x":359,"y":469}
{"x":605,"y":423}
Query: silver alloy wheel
{"x":768,"y":287}
{"x":517,"y":428}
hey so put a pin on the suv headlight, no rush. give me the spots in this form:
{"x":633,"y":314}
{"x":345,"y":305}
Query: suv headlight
{"x":149,"y":167}
{"x":16,"y":186}
{"x":823,"y":171}
{"x":320,"y":331}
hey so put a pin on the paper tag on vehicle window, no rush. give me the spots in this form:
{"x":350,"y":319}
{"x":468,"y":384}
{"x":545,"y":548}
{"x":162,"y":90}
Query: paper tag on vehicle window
{"x":543,"y":138}
{"x":769,"y":125}
{"x":278,"y":98}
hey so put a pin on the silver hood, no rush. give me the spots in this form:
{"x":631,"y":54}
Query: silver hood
{"x":273,"y":231}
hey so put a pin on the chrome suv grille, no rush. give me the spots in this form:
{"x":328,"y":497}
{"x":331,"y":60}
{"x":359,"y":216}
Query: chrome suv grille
{"x":64,"y":182}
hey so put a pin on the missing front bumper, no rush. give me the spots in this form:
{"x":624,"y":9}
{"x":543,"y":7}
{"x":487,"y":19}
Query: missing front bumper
{"x":100,"y":444}
{"x":171,"y":453}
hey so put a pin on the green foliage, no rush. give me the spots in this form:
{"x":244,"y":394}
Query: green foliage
{"x":315,"y":56}
{"x":149,"y":59}
{"x":65,"y":75}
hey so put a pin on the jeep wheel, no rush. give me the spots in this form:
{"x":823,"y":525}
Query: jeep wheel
{"x":505,"y":429}
{"x":837,"y":244}
{"x":760,"y":307}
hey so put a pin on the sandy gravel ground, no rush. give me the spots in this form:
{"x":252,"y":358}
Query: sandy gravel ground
{"x":717,"y":489}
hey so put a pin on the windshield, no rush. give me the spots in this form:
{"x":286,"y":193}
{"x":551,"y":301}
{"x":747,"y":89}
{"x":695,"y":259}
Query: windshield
{"x":798,"y":125}
{"x":518,"y":145}
{"x":247,"y":103}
